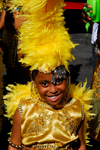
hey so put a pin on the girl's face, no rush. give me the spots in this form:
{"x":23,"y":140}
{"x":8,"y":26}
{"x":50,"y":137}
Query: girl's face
{"x":52,"y":94}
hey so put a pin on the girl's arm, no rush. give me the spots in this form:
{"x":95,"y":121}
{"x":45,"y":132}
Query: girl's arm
{"x":81,"y":137}
{"x":18,"y":21}
{"x":2,"y":19}
{"x":84,"y":16}
{"x":16,"y":137}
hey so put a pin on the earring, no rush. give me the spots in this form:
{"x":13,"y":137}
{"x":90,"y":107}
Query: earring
{"x":68,"y":86}
{"x":31,"y":88}
{"x":69,"y":80}
{"x":34,"y":94}
{"x":36,"y":91}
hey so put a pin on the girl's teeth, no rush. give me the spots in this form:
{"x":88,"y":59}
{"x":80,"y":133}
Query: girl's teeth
{"x":53,"y":96}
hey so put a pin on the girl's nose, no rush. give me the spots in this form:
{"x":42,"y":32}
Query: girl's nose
{"x":52,"y":88}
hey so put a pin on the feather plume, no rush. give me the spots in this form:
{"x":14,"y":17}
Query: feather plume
{"x":15,"y":94}
{"x":85,"y":96}
{"x":46,"y":43}
{"x":11,"y":100}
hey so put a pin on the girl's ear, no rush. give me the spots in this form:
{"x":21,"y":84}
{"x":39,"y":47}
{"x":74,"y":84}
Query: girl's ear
{"x":31,"y":75}
{"x":35,"y":84}
{"x":32,"y":79}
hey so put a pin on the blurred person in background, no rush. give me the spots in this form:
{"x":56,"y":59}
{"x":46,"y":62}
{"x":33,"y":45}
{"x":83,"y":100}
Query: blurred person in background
{"x":94,"y":33}
{"x":11,"y":23}
{"x":94,"y":124}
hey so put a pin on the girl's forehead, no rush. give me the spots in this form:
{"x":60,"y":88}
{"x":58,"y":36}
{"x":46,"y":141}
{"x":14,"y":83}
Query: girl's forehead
{"x":58,"y":73}
{"x":43,"y":76}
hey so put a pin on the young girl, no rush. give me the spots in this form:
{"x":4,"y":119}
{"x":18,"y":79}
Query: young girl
{"x":11,"y":22}
{"x":56,"y":120}
{"x":48,"y":113}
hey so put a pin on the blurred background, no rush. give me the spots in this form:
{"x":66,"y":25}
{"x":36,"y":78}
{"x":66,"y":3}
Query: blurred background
{"x":73,"y":18}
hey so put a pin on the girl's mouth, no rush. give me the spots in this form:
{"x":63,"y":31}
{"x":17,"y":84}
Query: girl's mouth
{"x":53,"y":98}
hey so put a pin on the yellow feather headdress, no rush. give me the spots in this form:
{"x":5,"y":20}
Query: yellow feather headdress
{"x":45,"y":42}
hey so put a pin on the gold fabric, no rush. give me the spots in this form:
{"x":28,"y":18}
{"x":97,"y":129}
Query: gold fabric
{"x":44,"y":124}
{"x":71,"y":146}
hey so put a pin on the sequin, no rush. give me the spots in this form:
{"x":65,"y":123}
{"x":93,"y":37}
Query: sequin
{"x":39,"y":124}
{"x":68,"y":122}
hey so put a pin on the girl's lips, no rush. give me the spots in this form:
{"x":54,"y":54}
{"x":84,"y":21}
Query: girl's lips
{"x":53,"y":98}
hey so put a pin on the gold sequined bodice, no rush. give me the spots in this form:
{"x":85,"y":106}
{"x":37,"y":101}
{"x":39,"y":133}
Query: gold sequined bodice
{"x":44,"y":124}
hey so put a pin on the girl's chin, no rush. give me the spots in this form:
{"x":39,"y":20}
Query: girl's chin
{"x":54,"y":103}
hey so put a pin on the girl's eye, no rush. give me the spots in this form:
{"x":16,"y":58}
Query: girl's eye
{"x":59,"y":81}
{"x":44,"y":84}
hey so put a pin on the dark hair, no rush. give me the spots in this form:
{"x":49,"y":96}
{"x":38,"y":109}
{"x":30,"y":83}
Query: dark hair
{"x":34,"y":74}
{"x":4,"y":1}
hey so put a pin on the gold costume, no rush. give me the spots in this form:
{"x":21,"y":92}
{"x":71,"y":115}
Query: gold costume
{"x":44,"y":126}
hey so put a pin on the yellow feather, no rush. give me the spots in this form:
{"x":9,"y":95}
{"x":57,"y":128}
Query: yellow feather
{"x":85,"y":96}
{"x":45,"y":40}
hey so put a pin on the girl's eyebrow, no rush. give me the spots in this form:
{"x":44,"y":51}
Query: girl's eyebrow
{"x":43,"y":81}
